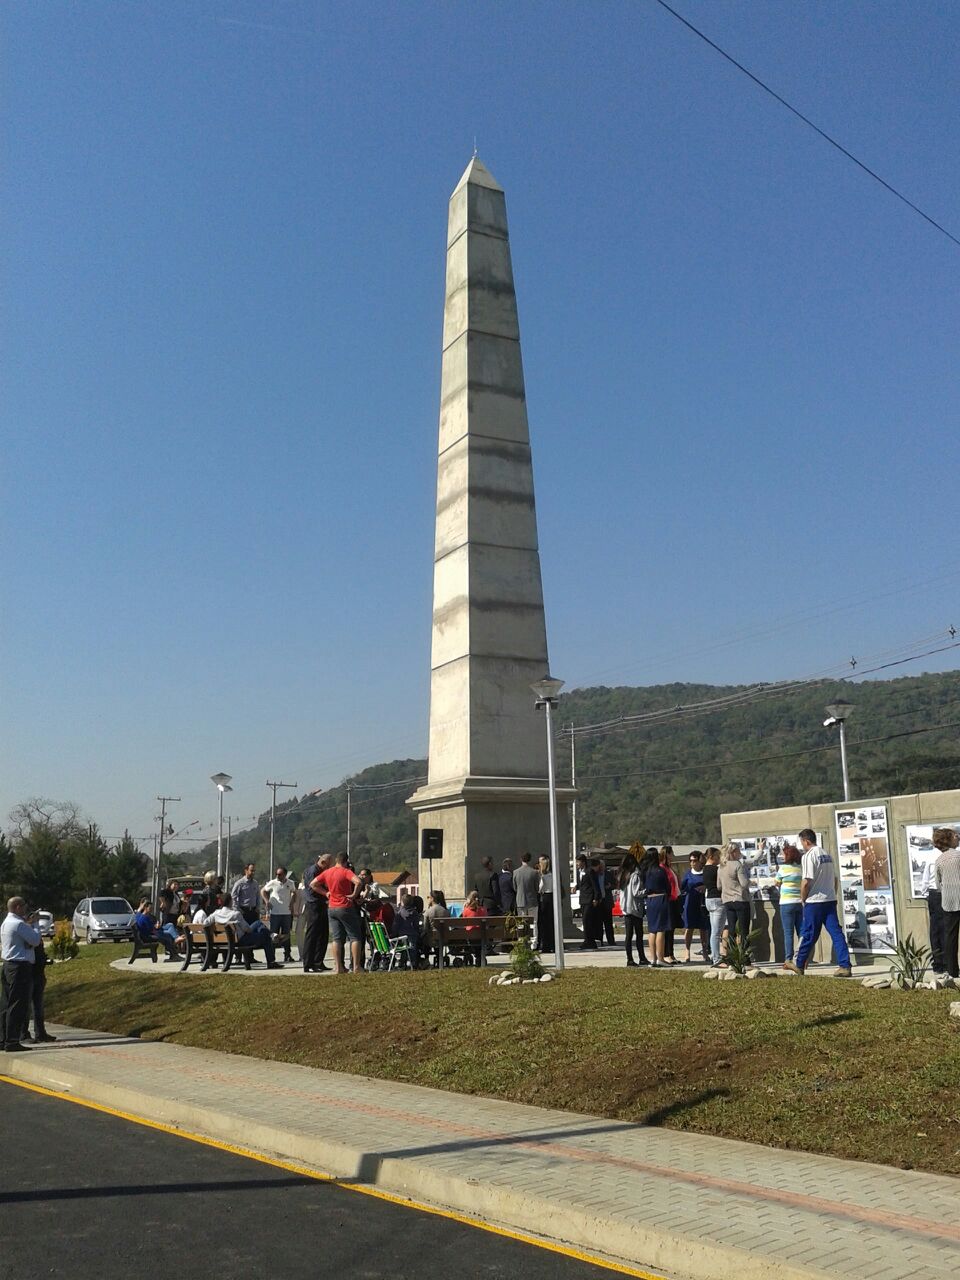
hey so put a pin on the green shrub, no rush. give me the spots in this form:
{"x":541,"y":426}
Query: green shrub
{"x":63,"y":946}
{"x":909,"y":963}
{"x":524,"y":962}
{"x":739,"y":955}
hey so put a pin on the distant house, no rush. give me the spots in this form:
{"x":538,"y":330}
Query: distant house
{"x":393,"y":880}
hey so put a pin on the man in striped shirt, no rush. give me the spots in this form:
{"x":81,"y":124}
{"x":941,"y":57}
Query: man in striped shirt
{"x":947,"y":877}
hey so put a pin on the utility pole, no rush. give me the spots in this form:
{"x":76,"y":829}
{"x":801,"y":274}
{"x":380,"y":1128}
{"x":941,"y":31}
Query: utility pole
{"x":164,"y":801}
{"x":273,"y":807}
{"x":573,"y":806}
{"x":349,"y":817}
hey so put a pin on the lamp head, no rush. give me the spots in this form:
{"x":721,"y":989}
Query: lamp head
{"x":547,"y":689}
{"x":839,"y":710}
{"x":220,"y":781}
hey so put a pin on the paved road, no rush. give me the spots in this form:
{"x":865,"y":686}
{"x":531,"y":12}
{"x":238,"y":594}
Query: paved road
{"x":84,"y":1194}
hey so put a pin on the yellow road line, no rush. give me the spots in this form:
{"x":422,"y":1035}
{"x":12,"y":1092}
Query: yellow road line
{"x":465,"y":1219}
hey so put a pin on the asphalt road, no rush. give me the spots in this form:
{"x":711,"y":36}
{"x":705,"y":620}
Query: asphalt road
{"x":85,"y":1194}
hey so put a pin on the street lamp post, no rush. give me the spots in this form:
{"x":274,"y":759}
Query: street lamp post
{"x":837,"y":714}
{"x":222,"y":782}
{"x":547,"y":690}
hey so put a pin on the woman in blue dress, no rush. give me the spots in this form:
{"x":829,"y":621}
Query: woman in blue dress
{"x":695,"y":915}
{"x":659,"y":921}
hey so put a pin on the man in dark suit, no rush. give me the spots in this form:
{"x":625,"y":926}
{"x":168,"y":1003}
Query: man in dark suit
{"x":487,"y":884}
{"x":508,"y":894}
{"x":316,"y":922}
{"x":589,"y":903}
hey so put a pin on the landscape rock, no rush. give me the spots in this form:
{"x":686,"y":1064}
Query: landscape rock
{"x":876,"y":980}
{"x":730,"y":974}
{"x":711,"y":973}
{"x":955,"y":1008}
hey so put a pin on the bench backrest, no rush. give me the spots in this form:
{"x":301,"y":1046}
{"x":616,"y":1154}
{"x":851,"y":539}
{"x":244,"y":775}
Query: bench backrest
{"x":219,"y":934}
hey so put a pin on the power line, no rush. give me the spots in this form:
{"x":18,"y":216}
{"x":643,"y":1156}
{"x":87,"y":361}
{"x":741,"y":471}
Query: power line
{"x":743,"y":697}
{"x":807,"y":121}
{"x":783,"y":755}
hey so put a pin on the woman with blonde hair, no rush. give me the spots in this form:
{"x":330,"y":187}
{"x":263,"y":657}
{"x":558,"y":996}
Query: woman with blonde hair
{"x":474,"y":909}
{"x":734,"y":881}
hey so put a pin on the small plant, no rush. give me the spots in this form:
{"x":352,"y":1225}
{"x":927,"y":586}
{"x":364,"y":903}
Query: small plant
{"x":524,"y":962}
{"x":63,"y":946}
{"x":739,"y":955}
{"x":909,"y":963}
{"x":514,"y":927}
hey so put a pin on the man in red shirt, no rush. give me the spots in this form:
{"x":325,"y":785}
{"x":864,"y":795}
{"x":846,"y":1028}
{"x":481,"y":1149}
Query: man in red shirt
{"x":342,"y":888}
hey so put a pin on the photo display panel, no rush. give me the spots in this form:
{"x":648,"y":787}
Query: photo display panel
{"x":866,"y":881}
{"x":761,"y":857}
{"x":921,"y":852}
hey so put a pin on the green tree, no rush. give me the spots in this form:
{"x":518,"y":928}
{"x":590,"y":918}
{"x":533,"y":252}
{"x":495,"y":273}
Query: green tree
{"x":45,"y":869}
{"x":92,"y":864}
{"x":8,"y":872}
{"x":128,"y":869}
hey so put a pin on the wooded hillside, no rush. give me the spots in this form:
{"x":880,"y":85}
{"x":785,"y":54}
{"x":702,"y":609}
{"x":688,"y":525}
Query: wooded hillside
{"x":670,"y":778}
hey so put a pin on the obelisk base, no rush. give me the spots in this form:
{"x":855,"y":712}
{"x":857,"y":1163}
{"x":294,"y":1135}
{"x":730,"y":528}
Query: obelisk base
{"x":489,"y":817}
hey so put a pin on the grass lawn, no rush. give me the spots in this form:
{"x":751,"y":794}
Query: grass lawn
{"x":812,"y":1065}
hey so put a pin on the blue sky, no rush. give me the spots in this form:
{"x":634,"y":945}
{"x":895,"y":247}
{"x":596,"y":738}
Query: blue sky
{"x":225,"y":230}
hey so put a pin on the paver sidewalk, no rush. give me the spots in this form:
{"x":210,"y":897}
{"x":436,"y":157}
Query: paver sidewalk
{"x":677,"y":1203}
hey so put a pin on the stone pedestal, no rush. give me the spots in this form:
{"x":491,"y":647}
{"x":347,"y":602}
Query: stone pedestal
{"x":488,"y":758}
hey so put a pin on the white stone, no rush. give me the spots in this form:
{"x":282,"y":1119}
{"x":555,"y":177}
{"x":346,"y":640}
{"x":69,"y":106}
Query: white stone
{"x":530,"y":982}
{"x":486,"y":787}
{"x":546,"y":977}
{"x":955,"y":1008}
{"x":710,"y":973}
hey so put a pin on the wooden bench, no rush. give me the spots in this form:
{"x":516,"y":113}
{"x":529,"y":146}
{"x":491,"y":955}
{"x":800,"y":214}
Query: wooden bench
{"x":482,"y":931}
{"x":208,"y":942}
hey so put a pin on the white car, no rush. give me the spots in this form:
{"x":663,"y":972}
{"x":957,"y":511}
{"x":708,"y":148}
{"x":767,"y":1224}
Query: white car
{"x":45,"y":924}
{"x":100,"y":919}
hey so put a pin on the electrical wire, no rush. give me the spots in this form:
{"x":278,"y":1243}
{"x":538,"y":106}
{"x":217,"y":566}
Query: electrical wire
{"x":752,"y":693}
{"x":783,"y":755}
{"x":807,"y":121}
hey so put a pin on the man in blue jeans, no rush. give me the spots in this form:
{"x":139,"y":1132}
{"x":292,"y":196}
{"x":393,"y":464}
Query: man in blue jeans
{"x":818,"y":893}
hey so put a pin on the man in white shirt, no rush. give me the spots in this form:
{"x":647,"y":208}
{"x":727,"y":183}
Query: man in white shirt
{"x":277,"y":895}
{"x":929,"y":890}
{"x":249,"y":936}
{"x":947,"y":876}
{"x":18,"y":941}
{"x":818,"y":893}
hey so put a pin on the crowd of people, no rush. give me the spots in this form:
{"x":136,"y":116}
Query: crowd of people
{"x":711,"y":902}
{"x":332,"y":909}
{"x":333,"y":906}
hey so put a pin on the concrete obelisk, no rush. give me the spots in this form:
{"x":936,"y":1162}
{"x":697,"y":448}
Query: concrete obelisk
{"x":486,"y":785}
